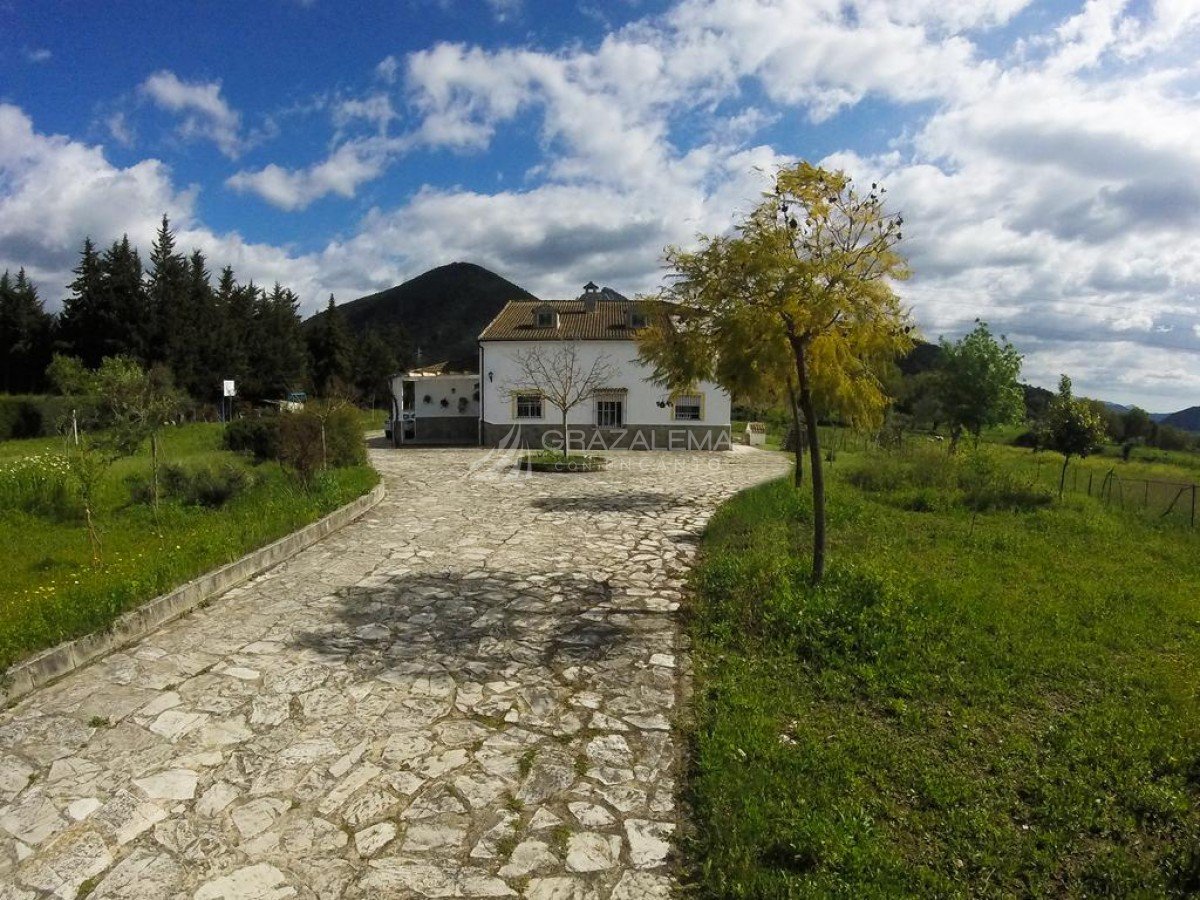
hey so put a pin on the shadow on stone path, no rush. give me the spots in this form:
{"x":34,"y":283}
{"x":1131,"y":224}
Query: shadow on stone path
{"x":466,"y":693}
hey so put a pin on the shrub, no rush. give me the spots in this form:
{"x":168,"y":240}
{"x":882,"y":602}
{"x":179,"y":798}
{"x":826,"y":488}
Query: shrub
{"x":924,"y":467}
{"x":344,"y":437}
{"x":986,"y":484}
{"x":300,"y":443}
{"x":1031,"y":439}
{"x":929,"y":480}
{"x":258,"y":437}
{"x":33,"y":415}
{"x":210,"y":486}
{"x":320,"y":436}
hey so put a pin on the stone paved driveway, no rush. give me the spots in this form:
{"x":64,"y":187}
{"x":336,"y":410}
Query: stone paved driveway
{"x":467,"y":693}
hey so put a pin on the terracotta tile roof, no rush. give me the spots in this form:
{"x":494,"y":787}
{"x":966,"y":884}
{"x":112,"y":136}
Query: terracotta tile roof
{"x":608,"y":321}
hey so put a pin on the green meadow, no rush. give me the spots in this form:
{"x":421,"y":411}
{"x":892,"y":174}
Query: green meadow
{"x":53,"y":590}
{"x":992,"y":695}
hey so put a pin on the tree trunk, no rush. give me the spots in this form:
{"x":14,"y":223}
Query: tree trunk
{"x":566,"y":437}
{"x":814,"y":458}
{"x":1062,"y":478}
{"x":324,"y":449}
{"x":798,"y":451}
{"x":154,"y":473}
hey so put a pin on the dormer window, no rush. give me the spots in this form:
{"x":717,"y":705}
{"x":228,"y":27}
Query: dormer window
{"x":544,"y":317}
{"x":637,"y":319}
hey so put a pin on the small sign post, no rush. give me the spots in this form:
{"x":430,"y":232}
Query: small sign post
{"x":228,"y":392}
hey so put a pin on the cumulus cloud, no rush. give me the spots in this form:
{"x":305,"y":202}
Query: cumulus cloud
{"x":1049,"y":183}
{"x":55,"y":191}
{"x":341,"y":173}
{"x":206,"y":114}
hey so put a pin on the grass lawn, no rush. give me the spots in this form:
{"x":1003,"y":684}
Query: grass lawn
{"x":999,"y":707}
{"x":51,"y":591}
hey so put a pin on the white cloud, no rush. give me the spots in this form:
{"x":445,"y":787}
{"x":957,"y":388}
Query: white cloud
{"x":119,"y":127}
{"x":206,"y":113}
{"x":1051,"y":187}
{"x":374,"y":109}
{"x":341,"y":173}
{"x":504,"y":10}
{"x":387,"y":69}
{"x":38,"y":55}
{"x":54,"y":192}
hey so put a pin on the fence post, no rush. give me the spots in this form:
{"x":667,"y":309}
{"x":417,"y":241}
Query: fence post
{"x":1089,"y":484}
{"x":1193,"y":525}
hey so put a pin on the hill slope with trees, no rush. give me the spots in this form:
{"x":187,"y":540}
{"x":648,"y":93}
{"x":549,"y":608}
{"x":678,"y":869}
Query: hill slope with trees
{"x":1186,"y":419}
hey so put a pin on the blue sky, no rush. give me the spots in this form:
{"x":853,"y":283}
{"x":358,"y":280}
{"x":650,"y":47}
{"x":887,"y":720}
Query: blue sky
{"x":1045,"y":155}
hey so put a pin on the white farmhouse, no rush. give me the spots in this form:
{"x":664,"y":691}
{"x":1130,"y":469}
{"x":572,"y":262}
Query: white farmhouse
{"x":627,"y":411}
{"x":436,"y":404}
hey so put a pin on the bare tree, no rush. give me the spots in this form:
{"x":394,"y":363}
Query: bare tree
{"x":562,"y":377}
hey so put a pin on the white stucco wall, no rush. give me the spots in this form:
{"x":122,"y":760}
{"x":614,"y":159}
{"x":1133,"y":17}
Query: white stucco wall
{"x":500,"y":375}
{"x":438,"y":388}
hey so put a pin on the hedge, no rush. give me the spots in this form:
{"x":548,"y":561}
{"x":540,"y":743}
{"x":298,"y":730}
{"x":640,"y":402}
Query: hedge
{"x":38,"y":415}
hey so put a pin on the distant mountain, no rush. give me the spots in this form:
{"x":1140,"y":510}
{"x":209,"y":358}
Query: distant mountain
{"x":1154,"y":417}
{"x":1187,"y":419}
{"x":608,"y":293}
{"x":441,"y":312}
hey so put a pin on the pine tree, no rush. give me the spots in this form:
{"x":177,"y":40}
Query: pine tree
{"x":193,"y":345}
{"x":24,"y":335}
{"x":279,"y":362}
{"x":167,"y":291}
{"x":106,"y":313}
{"x":27,"y":353}
{"x":330,"y":349}
{"x":82,"y":325}
{"x":124,"y":301}
{"x":375,"y":364}
{"x":226,"y":345}
{"x":239,"y":311}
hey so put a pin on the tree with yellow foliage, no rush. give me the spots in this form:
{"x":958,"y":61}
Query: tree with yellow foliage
{"x":797,"y":303}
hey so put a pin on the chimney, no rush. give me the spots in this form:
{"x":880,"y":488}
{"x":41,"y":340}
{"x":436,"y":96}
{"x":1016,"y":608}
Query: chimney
{"x":591,"y":293}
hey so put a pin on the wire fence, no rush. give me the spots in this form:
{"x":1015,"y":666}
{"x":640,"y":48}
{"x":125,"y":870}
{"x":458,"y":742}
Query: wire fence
{"x":1168,"y":501}
{"x":1173,"y":501}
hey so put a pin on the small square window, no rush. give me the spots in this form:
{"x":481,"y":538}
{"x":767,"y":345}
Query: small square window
{"x":529,"y":406}
{"x":545,"y":319}
{"x":637,"y":320}
{"x":688,"y":408}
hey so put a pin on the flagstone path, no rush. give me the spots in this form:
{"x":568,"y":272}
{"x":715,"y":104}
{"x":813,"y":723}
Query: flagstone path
{"x":469,"y":692}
